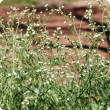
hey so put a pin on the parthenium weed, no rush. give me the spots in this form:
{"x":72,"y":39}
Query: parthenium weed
{"x":36,"y":73}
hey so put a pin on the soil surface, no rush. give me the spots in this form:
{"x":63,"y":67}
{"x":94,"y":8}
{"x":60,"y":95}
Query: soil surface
{"x":78,"y":10}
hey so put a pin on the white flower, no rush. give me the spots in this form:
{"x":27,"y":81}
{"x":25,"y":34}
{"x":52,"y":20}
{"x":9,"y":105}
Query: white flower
{"x":30,"y":79}
{"x":52,"y":75}
{"x":61,"y":13}
{"x":94,"y":51}
{"x":97,"y":35}
{"x":58,"y":28}
{"x":36,"y":91}
{"x":1,"y":1}
{"x":90,"y":59}
{"x":63,"y":6}
{"x":77,"y":62}
{"x":108,"y":108}
{"x":33,"y":5}
{"x":1,"y":109}
{"x":33,"y":32}
{"x":38,"y":70}
{"x":48,"y":81}
{"x":41,"y":12}
{"x":68,"y":99}
{"x":9,"y":74}
{"x":14,"y":73}
{"x":70,"y":24}
{"x":102,"y":40}
{"x":46,"y":5}
{"x":0,"y":66}
{"x":90,"y":65}
{"x":1,"y":35}
{"x":37,"y":24}
{"x":53,"y":34}
{"x":49,"y":91}
{"x":64,"y":22}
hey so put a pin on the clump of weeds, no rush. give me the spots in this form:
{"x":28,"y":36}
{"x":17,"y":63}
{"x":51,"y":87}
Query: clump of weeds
{"x":29,"y":75}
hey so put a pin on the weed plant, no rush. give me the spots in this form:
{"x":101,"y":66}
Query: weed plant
{"x":30,"y":73}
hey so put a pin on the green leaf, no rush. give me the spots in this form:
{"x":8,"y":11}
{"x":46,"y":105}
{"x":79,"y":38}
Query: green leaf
{"x":85,"y":36}
{"x":86,"y":108}
{"x":43,"y":19}
{"x":94,"y":106}
{"x":103,"y":69}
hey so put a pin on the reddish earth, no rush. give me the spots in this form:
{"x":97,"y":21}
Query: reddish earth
{"x":78,"y":10}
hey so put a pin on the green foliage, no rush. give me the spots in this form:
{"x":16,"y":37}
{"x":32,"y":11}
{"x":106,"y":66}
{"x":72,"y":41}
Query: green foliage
{"x":20,"y":2}
{"x":30,"y":71}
